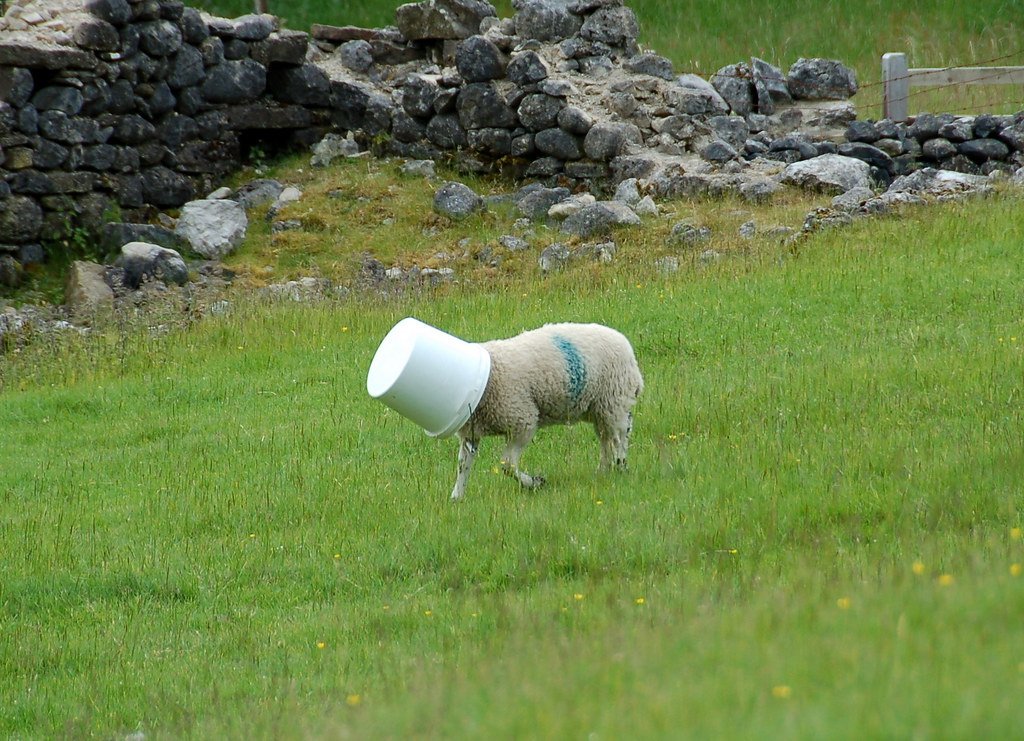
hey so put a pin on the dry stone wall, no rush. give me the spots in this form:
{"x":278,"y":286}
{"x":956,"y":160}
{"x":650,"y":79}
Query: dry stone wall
{"x":136,"y":106}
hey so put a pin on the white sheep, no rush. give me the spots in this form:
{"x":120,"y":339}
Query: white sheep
{"x":557,"y":374}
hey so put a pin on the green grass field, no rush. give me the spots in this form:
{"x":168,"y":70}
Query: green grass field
{"x":208,"y":529}
{"x":217,"y":533}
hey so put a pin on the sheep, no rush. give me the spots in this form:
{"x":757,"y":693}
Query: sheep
{"x":557,"y":374}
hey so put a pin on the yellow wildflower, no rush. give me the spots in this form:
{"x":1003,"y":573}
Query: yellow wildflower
{"x":353,"y":700}
{"x":1015,"y":569}
{"x":843,"y":603}
{"x":946,"y":580}
{"x":918,"y":568}
{"x":782,"y":691}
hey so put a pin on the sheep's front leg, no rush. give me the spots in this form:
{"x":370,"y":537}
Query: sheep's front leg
{"x":510,"y":459}
{"x":614,"y":437}
{"x":467,"y":454}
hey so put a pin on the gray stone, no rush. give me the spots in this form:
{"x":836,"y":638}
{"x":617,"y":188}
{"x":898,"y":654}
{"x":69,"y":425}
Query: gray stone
{"x":513,"y":243}
{"x":442,"y":19}
{"x":68,"y":130}
{"x":574,"y":120}
{"x":235,"y":82}
{"x":49,"y":155}
{"x":693,"y":95}
{"x":862,"y":131}
{"x":599,"y":218}
{"x":539,"y":111}
{"x":558,"y":143}
{"x":926,"y":126}
{"x":213,"y":228}
{"x":305,"y":85}
{"x":527,"y":68}
{"x":648,"y":63}
{"x":494,"y":142}
{"x":418,"y":168}
{"x":100,"y":157}
{"x":116,"y":234}
{"x":553,"y":257}
{"x":718,"y":152}
{"x":285,"y":46}
{"x":15,"y":85}
{"x":536,"y":203}
{"x":829,"y":173}
{"x":446,"y":132}
{"x":606,"y":141}
{"x":96,"y":35}
{"x":852,"y":199}
{"x":730,"y":129}
{"x":1013,"y":135}
{"x":21,"y":220}
{"x":613,"y":25}
{"x":357,"y":55}
{"x":193,"y":27}
{"x":262,"y":191}
{"x":987,"y":125}
{"x":943,"y":184}
{"x":418,"y":95}
{"x":68,"y":100}
{"x":480,"y":105}
{"x":133,"y":129}
{"x":804,"y":148}
{"x":759,"y":190}
{"x":85,"y":290}
{"x":159,"y":38}
{"x":867,"y":153}
{"x":959,"y":130}
{"x":116,"y":12}
{"x":733,"y":83}
{"x":545,"y":21}
{"x":821,"y":79}
{"x":938,"y":149}
{"x":187,"y":68}
{"x":627,"y":192}
{"x":981,"y":150}
{"x":165,"y":188}
{"x":478,"y":60}
{"x":457,"y":201}
{"x":770,"y":87}
{"x":143,"y":261}
{"x":251,"y":27}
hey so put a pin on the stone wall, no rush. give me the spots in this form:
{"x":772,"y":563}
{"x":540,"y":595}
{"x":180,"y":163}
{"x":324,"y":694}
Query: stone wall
{"x":122,"y":108}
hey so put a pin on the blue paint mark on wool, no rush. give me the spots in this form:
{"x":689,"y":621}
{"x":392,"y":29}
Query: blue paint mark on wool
{"x":575,"y":367}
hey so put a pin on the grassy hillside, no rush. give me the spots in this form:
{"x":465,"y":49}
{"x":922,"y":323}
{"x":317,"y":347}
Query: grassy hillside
{"x":216,"y":532}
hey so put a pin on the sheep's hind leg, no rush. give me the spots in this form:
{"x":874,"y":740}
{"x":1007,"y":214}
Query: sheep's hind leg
{"x":467,"y":453}
{"x":510,"y":459}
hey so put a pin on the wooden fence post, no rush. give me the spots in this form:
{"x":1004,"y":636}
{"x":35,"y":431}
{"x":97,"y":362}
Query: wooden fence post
{"x":895,"y":86}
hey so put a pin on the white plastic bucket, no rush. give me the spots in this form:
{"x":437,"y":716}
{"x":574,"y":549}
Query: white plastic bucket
{"x":428,"y":376}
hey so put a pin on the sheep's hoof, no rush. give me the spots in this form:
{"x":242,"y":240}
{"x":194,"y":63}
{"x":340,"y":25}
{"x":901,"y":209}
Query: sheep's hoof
{"x":534,"y":482}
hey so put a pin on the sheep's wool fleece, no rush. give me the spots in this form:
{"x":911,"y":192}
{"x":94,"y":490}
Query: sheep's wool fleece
{"x":555,"y":374}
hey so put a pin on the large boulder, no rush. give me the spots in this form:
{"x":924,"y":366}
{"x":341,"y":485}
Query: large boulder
{"x":86,"y":291}
{"x":213,"y":228}
{"x":143,"y":261}
{"x":457,"y":201}
{"x":830,"y":173}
